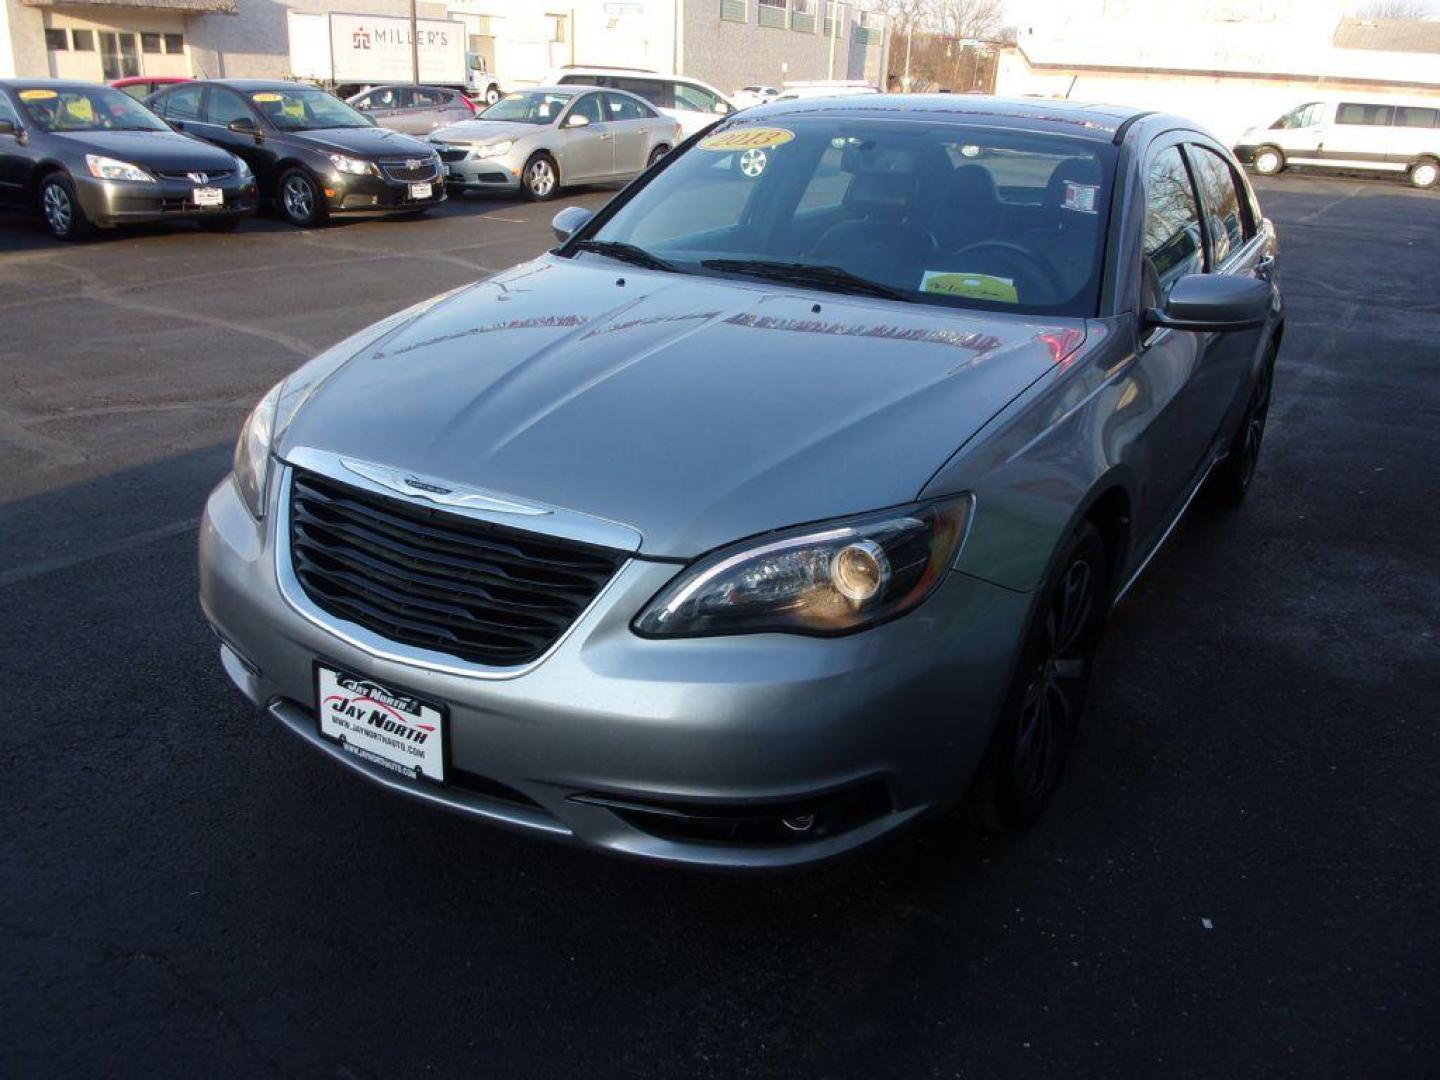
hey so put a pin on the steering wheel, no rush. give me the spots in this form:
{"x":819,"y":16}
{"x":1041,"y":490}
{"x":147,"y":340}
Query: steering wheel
{"x":1029,"y":265}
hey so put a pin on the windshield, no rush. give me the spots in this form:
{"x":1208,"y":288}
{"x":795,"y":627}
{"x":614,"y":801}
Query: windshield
{"x":939,"y":213}
{"x":530,"y":107}
{"x":304,"y":109}
{"x":1302,"y":116}
{"x":89,"y":108}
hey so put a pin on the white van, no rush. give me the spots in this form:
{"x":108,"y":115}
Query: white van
{"x":694,"y":103}
{"x":1350,"y":133}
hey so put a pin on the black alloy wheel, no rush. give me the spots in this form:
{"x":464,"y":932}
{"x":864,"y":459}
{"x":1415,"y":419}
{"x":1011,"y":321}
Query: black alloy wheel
{"x":1042,"y":709}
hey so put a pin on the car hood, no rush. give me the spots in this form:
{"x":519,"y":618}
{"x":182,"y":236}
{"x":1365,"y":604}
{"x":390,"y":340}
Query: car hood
{"x":364,"y":142}
{"x":481,"y":131}
{"x":694,"y":409}
{"x":166,"y":150}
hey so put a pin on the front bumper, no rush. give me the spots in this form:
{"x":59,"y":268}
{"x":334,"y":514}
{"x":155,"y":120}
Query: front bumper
{"x":346,"y":193}
{"x":875,"y":729}
{"x":486,"y":174}
{"x":119,"y":202}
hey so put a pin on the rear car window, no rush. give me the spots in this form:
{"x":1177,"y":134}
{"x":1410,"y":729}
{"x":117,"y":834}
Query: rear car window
{"x":1369,"y":115}
{"x":184,"y":104}
{"x":1412,"y":117}
{"x":619,"y":107}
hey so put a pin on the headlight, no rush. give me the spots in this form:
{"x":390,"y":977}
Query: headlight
{"x":110,"y":169}
{"x":493,"y":149}
{"x":833,"y":578}
{"x":352,"y":165}
{"x":252,"y":452}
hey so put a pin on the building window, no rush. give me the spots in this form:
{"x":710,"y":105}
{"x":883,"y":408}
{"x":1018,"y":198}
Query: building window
{"x":774,"y":13}
{"x":802,"y":16}
{"x":174,"y":43}
{"x":735,"y":10}
{"x":56,"y":41}
{"x":150,"y":43}
{"x":834,"y":19}
{"x":82,"y":40}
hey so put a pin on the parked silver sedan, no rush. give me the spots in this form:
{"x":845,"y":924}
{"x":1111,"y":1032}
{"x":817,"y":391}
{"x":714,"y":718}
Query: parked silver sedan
{"x":413,"y":110}
{"x":775,"y":508}
{"x":536,"y":141}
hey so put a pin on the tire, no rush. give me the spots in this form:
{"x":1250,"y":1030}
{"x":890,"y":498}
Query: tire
{"x":656,"y":154}
{"x":1425,"y":174}
{"x":541,"y":178}
{"x":1230,"y":481}
{"x":1269,"y":160}
{"x":299,"y":199}
{"x":492,"y":95}
{"x":219,"y":225}
{"x":1042,"y":708}
{"x":61,"y":209}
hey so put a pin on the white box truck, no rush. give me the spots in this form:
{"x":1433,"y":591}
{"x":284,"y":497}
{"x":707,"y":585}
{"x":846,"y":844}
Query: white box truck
{"x":345,"y":51}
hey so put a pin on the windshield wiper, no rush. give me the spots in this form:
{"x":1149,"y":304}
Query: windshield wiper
{"x":820,"y":277}
{"x":617,"y":249}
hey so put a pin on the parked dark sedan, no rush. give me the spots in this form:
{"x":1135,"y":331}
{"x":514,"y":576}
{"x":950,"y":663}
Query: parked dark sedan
{"x":313,"y":154}
{"x":88,"y":156}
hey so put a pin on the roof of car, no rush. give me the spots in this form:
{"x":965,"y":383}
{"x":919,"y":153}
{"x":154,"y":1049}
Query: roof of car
{"x":259,"y":84}
{"x":1100,"y":122}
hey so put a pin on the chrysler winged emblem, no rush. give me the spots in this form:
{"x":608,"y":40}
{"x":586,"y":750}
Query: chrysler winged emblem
{"x":199,"y":178}
{"x":414,"y":486}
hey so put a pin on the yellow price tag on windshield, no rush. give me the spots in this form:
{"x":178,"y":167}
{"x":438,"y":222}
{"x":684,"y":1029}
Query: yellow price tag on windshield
{"x":757,"y":138}
{"x":265,"y":97}
{"x":971,"y":286}
{"x":38,"y":95}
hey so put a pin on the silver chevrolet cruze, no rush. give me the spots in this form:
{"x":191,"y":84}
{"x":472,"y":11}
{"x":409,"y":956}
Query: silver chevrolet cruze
{"x":536,"y":141}
{"x":778,"y":506}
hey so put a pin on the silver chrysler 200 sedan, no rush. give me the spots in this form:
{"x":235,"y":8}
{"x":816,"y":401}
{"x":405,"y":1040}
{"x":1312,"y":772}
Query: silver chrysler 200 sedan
{"x":534,"y":141}
{"x":778,"y":506}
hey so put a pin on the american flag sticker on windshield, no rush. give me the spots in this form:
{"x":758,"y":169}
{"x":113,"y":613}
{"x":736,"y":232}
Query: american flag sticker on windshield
{"x":1081,"y":197}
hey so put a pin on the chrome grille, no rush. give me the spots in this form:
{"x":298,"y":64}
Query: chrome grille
{"x":403,"y":170}
{"x":435,"y":580}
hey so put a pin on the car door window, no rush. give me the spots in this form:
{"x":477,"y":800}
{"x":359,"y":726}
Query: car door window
{"x":1411,"y":117}
{"x":694,"y":98}
{"x":1222,"y":202}
{"x":362,"y":103}
{"x":7,"y":111}
{"x":589,"y":107}
{"x":651,"y":90}
{"x":225,"y":106}
{"x":1172,"y":238}
{"x":388,"y":98}
{"x":421,"y":98}
{"x":619,"y":107}
{"x":184,"y":104}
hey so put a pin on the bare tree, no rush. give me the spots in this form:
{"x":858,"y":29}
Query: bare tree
{"x":1396,"y":9}
{"x":970,"y":20}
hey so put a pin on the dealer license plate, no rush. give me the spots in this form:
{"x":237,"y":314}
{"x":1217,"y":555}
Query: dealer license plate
{"x":383,"y":726}
{"x":209,"y":196}
{"x":420,"y":191}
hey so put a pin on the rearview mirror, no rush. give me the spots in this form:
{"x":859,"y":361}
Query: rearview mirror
{"x":1213,"y":303}
{"x":243,"y":126}
{"x":576,"y":119}
{"x":567,"y":221}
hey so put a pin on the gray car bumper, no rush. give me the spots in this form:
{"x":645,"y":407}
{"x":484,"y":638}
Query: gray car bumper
{"x":116,"y":202}
{"x":700,"y":730}
{"x":490,"y":174}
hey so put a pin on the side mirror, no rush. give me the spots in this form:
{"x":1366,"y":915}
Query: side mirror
{"x":1213,"y":303}
{"x":567,"y":221}
{"x":576,"y":119}
{"x":243,"y":126}
{"x":721,"y":108}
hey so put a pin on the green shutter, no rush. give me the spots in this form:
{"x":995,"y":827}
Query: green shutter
{"x":734,"y":10}
{"x":772,"y":16}
{"x":803,"y":23}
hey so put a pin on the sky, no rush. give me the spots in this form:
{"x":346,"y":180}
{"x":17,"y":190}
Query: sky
{"x":1035,"y":12}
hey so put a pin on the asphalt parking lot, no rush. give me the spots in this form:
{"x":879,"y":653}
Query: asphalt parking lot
{"x":1238,"y":877}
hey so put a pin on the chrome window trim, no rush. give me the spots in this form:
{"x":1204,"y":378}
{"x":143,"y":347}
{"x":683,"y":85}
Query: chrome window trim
{"x":382,"y":648}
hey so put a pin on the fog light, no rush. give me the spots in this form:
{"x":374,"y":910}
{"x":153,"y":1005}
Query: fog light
{"x":799,"y":822}
{"x":860,"y":570}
